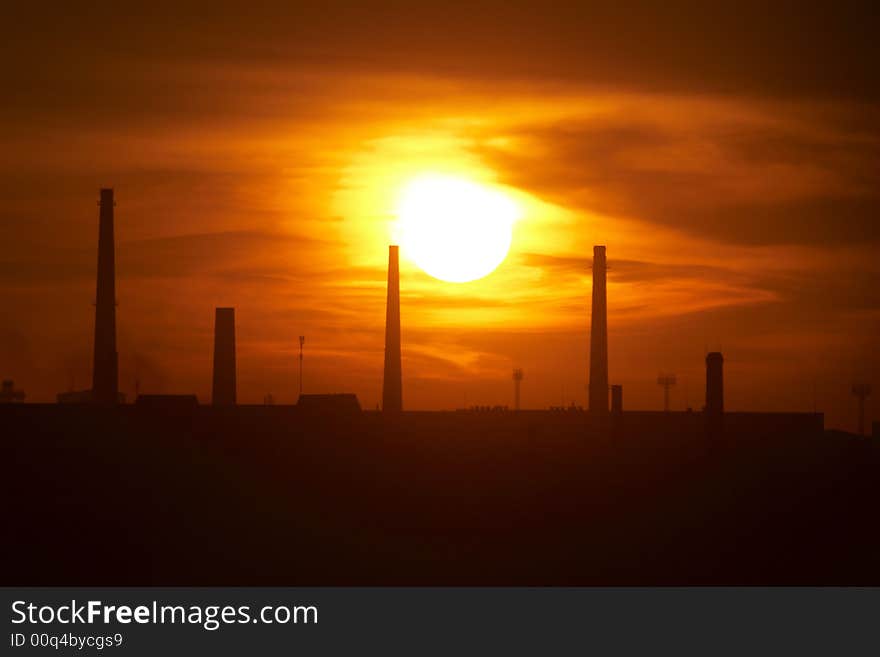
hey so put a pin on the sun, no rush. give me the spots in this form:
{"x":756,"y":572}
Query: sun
{"x":455,"y":229}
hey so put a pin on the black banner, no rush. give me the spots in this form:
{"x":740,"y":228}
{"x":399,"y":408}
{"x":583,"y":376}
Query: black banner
{"x":407,"y":621}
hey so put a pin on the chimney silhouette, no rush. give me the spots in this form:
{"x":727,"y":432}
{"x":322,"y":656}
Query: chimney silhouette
{"x":392,"y":385}
{"x":105,"y":369}
{"x":714,"y":383}
{"x":599,"y":337}
{"x":714,"y":391}
{"x":223,"y":390}
{"x":617,"y":399}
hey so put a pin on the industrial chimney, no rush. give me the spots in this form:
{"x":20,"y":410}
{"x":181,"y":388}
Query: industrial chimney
{"x":599,"y":337}
{"x":392,"y":385}
{"x":862,"y":391}
{"x":617,"y":399}
{"x":223,"y":390}
{"x":714,"y":391}
{"x":105,"y":370}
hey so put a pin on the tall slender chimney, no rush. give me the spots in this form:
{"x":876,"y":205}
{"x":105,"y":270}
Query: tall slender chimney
{"x":392,"y":385}
{"x":714,"y":392}
{"x":714,"y":383}
{"x":223,"y":391}
{"x":599,"y":337}
{"x":105,"y":369}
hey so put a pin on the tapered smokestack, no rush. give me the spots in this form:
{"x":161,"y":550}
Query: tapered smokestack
{"x":714,"y":392}
{"x":223,"y":391}
{"x":599,"y":337}
{"x":392,"y":385}
{"x":714,"y":383}
{"x":617,"y":399}
{"x":105,"y":369}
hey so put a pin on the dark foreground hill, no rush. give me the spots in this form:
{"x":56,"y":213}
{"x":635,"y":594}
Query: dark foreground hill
{"x":273,"y":496}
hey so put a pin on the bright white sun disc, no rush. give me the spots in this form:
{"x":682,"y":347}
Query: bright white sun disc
{"x":454,"y":229}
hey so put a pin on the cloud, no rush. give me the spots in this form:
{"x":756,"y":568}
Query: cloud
{"x":725,"y":171}
{"x":628,"y":271}
{"x":787,"y":49}
{"x":225,"y":255}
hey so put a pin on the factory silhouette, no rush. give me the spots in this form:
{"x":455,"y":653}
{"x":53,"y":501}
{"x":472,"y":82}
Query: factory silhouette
{"x":105,"y":371}
{"x":170,"y":491}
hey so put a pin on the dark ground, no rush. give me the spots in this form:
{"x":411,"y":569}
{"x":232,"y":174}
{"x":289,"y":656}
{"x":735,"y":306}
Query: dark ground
{"x":270,"y":496}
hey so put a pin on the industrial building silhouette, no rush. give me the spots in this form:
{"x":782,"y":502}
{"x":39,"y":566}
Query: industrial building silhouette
{"x":168,"y":491}
{"x":224,"y":389}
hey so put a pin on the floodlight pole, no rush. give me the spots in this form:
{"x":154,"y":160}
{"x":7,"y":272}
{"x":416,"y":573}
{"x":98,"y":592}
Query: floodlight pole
{"x":667,"y":381}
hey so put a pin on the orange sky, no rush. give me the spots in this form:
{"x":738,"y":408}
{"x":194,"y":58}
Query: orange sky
{"x":733,"y":175}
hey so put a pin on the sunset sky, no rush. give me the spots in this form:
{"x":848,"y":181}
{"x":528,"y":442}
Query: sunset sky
{"x":729,"y":159}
